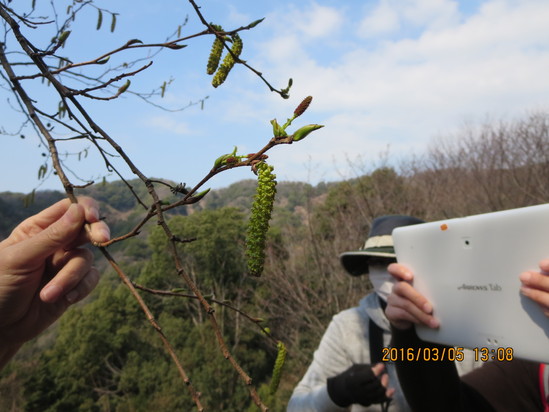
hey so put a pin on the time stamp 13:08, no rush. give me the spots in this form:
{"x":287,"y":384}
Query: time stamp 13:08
{"x":483,"y":354}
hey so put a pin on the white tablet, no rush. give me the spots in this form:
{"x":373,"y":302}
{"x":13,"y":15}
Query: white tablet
{"x":469,"y":270}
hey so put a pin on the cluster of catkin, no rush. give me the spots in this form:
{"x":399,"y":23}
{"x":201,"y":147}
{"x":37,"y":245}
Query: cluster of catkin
{"x":258,"y":226}
{"x":222,"y":71}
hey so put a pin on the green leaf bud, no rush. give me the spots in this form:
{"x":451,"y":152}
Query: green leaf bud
{"x":63,"y":37}
{"x":113,"y":22}
{"x":99,"y":19}
{"x":200,"y":195}
{"x":175,"y":46}
{"x":103,"y":61}
{"x":301,"y":133}
{"x":224,"y":159}
{"x":278,"y":131}
{"x":132,"y":42}
{"x":255,"y":23}
{"x":124,"y":87}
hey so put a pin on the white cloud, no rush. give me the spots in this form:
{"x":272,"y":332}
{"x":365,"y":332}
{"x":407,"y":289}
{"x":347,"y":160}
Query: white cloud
{"x":431,"y":14}
{"x":320,"y":21}
{"x":390,"y":16}
{"x":395,"y":74}
{"x":383,"y":19}
{"x":312,"y":22}
{"x":283,"y":48}
{"x":237,"y":17}
{"x":405,"y":91}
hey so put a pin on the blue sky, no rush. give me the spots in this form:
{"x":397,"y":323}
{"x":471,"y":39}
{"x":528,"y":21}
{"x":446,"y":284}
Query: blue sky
{"x":388,"y":78}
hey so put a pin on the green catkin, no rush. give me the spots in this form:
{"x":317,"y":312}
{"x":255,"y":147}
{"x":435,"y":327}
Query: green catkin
{"x":222,"y":73}
{"x":228,"y":62}
{"x":215,"y":54}
{"x":237,"y":45}
{"x":279,"y":364}
{"x":258,"y":225}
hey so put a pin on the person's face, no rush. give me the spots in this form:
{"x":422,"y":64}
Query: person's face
{"x":380,"y":278}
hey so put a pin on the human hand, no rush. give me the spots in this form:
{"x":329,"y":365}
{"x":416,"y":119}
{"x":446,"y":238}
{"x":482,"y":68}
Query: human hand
{"x":405,"y":305}
{"x":43,"y":270}
{"x":360,"y":384}
{"x":535,"y":285}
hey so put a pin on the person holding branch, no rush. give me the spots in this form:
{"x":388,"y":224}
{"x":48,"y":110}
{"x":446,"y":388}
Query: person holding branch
{"x":44,"y":269}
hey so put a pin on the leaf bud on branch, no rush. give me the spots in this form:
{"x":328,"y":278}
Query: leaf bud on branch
{"x":304,"y":131}
{"x":227,"y":159}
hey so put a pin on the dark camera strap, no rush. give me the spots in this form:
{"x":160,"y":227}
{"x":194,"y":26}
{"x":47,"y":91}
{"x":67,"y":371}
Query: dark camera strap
{"x":375,"y":335}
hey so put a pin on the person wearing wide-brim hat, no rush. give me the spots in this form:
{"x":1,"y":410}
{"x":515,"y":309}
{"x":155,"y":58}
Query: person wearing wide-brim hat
{"x":379,"y":243}
{"x":347,"y":372}
{"x":377,"y":253}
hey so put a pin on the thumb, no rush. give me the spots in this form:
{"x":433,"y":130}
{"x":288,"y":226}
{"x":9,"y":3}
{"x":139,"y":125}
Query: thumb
{"x":378,"y":368}
{"x":56,"y":236}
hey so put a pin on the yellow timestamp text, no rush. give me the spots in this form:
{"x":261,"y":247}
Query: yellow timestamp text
{"x":496,"y":354}
{"x":420,"y":354}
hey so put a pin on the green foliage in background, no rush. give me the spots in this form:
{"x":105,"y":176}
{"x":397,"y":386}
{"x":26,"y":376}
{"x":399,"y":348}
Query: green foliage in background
{"x":103,"y":356}
{"x":106,"y":356}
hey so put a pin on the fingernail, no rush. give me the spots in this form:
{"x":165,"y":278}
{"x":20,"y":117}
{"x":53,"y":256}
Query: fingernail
{"x":433,"y":323}
{"x":104,"y":234}
{"x":50,"y":293}
{"x":95,"y":213}
{"x":72,"y":215}
{"x":427,"y":308}
{"x":72,"y":296}
{"x":525,"y":277}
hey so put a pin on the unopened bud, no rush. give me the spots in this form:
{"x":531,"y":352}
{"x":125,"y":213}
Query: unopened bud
{"x":278,"y":131}
{"x":303,"y":106}
{"x":301,"y":133}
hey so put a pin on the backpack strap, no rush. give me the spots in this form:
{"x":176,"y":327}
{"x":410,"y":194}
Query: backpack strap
{"x":544,"y":385}
{"x":375,"y":335}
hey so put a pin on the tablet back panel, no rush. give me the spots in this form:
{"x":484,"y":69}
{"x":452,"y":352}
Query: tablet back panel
{"x":469,"y":270}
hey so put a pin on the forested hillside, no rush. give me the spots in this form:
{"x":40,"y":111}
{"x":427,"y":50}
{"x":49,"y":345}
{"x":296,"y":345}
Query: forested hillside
{"x":104,"y":356}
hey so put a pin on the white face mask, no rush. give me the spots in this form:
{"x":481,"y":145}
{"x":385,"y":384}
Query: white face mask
{"x":381,"y":280}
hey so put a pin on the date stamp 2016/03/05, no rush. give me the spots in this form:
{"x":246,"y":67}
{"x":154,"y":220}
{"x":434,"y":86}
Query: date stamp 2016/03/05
{"x":444,"y":354}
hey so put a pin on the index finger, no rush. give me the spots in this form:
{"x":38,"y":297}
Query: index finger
{"x":40,"y":221}
{"x":34,"y":225}
{"x":544,"y":266}
{"x":405,"y":305}
{"x":409,"y":293}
